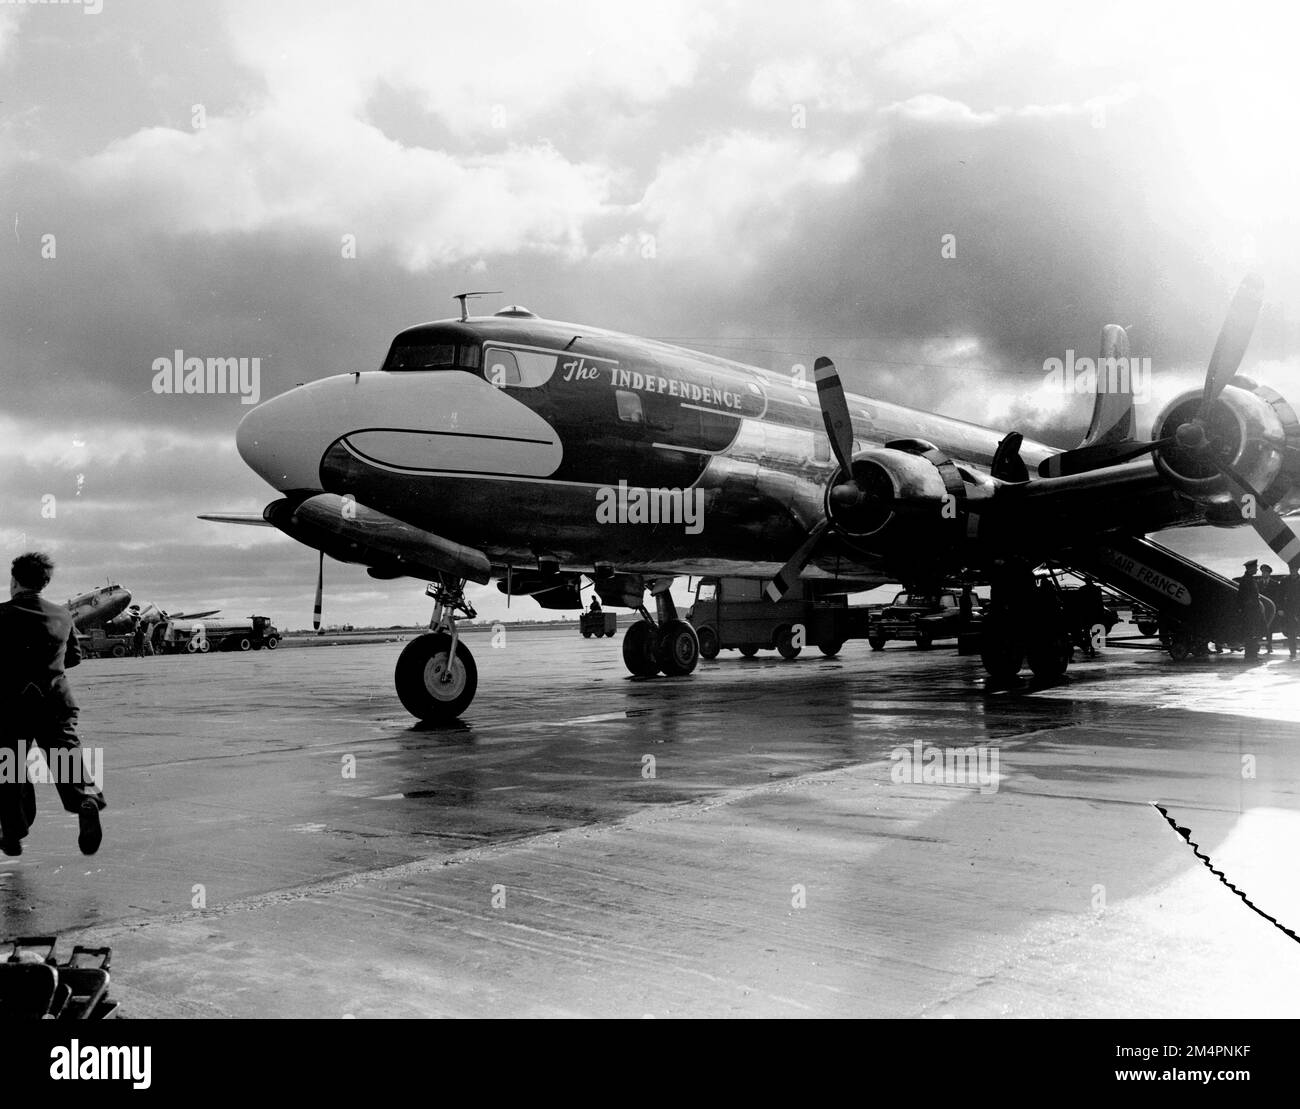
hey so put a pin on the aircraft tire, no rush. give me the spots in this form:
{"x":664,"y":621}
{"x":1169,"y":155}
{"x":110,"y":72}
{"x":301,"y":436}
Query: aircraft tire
{"x":418,"y":678}
{"x":677,"y":650}
{"x":1180,"y":645}
{"x":1050,"y":656}
{"x":785,"y":645}
{"x":1001,"y":656}
{"x":639,"y":650}
{"x":708,"y":643}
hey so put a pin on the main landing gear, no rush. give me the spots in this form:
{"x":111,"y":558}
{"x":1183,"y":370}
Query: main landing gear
{"x":670,"y":644}
{"x":436,"y":677}
{"x":1025,"y":625}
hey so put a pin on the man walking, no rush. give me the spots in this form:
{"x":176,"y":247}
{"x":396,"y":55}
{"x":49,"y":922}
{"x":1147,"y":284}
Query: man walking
{"x":37,"y":643}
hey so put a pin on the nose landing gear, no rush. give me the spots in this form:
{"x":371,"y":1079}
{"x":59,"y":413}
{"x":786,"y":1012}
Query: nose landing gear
{"x":436,"y":676}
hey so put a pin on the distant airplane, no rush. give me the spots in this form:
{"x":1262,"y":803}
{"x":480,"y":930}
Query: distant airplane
{"x":98,"y":607}
{"x":531,"y":451}
{"x":150,"y":613}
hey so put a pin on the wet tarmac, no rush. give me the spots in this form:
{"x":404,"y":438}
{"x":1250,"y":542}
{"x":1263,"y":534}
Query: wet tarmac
{"x":282,"y":841}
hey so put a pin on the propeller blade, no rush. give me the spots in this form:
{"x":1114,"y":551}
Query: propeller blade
{"x":835,"y":413}
{"x":1082,"y":459}
{"x":1283,"y":541}
{"x":320,"y":589}
{"x":1233,"y":339}
{"x":789,"y":573}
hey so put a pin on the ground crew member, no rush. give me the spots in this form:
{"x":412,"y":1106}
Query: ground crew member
{"x":1268,"y":587}
{"x":595,"y":604}
{"x":1289,"y":608}
{"x":1249,"y":611}
{"x":137,"y":639}
{"x":37,"y":642}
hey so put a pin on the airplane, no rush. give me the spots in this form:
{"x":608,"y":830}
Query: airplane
{"x":149,"y":613}
{"x":534,"y":451}
{"x":99,"y":606}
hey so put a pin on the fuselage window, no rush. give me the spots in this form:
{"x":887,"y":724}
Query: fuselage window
{"x":525,"y":368}
{"x":500,"y":367}
{"x":629,"y":407}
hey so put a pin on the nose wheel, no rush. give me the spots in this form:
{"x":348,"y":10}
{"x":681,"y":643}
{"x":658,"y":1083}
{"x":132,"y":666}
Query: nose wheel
{"x":436,"y":676}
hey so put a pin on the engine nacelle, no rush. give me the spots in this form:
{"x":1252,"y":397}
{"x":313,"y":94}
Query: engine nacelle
{"x":899,"y":490}
{"x":1251,"y":428}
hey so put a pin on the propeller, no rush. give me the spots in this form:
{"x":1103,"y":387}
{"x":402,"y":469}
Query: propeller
{"x":1229,"y":349}
{"x":1192,"y":438}
{"x":1269,"y":525}
{"x":320,"y":589}
{"x":1233,"y":339}
{"x":846,"y":494}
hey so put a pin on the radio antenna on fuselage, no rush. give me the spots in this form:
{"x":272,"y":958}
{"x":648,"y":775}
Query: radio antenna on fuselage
{"x":463,"y":297}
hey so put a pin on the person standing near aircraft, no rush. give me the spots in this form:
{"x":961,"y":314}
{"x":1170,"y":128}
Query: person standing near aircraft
{"x":1288,"y":615}
{"x":137,"y":639}
{"x":1250,"y":611}
{"x":1269,"y":587}
{"x":37,"y":643}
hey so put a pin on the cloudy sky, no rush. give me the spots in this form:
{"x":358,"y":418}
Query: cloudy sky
{"x":766,"y":181}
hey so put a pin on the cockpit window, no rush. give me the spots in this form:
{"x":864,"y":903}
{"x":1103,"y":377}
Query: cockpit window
{"x":429,"y":357}
{"x":433,"y":356}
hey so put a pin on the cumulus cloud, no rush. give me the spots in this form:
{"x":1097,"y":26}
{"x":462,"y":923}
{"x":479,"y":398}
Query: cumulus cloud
{"x":343,"y":177}
{"x":728,"y":198}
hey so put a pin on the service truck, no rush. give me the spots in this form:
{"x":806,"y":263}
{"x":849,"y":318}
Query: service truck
{"x":201,"y":636}
{"x":734,"y":612}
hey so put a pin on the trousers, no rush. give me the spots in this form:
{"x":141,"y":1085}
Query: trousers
{"x":50,"y":722}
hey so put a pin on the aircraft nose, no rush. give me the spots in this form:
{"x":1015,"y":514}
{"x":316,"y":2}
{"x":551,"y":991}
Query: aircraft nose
{"x":280,"y":440}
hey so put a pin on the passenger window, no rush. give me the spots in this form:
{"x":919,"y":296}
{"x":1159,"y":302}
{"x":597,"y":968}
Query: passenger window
{"x":629,"y":407}
{"x":707,"y":591}
{"x":500,"y":368}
